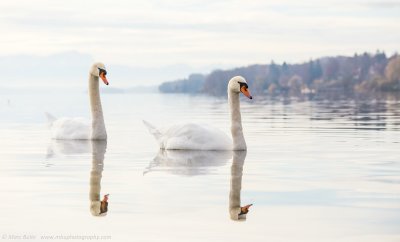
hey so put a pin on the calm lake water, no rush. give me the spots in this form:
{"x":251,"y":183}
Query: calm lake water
{"x":314,"y":170}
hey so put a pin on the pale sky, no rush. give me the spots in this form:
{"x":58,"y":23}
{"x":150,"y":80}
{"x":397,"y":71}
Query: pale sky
{"x":202,"y":34}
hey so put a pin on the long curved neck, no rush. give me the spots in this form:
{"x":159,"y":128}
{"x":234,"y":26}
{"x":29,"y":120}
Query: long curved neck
{"x":236,"y":122}
{"x":98,"y":126}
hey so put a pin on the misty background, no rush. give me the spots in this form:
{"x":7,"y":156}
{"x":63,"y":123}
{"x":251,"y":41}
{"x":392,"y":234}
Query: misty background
{"x":52,"y":44}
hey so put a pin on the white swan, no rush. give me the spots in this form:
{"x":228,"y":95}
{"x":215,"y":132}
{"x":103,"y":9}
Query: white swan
{"x":203,"y":137}
{"x":79,"y":128}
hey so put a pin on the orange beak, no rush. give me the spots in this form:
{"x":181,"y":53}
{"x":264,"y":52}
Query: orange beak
{"x":246,"y":92}
{"x":104,"y":78}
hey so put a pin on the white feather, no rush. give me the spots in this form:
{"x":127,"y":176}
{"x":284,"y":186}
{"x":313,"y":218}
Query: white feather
{"x":191,"y":136}
{"x":70,"y":128}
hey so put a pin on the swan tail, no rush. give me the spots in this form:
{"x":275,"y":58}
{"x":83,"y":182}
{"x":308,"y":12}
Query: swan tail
{"x":50,"y":119}
{"x":153,"y":130}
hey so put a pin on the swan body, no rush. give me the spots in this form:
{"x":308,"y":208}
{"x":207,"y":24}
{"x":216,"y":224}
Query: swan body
{"x":80,"y":128}
{"x":70,"y":128}
{"x":193,"y":136}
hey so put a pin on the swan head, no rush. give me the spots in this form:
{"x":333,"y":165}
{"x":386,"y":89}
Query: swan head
{"x":98,"y":69}
{"x":238,"y":84}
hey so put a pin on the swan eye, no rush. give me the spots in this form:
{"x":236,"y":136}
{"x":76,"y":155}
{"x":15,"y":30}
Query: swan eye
{"x":102,"y":70}
{"x":243,"y":84}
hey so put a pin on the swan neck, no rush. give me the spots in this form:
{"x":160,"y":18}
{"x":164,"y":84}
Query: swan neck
{"x":239,"y":142}
{"x":98,"y":126}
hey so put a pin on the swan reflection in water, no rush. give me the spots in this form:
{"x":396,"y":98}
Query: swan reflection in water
{"x":198,"y":162}
{"x":67,"y":147}
{"x":98,"y":149}
{"x":187,"y":162}
{"x":237,"y":212}
{"x":97,"y":207}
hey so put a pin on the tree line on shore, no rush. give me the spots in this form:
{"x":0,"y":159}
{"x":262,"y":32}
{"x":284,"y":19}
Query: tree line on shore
{"x":359,"y":74}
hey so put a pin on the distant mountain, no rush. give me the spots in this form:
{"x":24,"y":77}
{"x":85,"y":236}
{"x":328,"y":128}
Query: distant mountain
{"x":30,"y":70}
{"x":193,"y":84}
{"x":144,"y":76}
{"x":136,"y":89}
{"x":358,"y":74}
{"x":71,"y":69}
